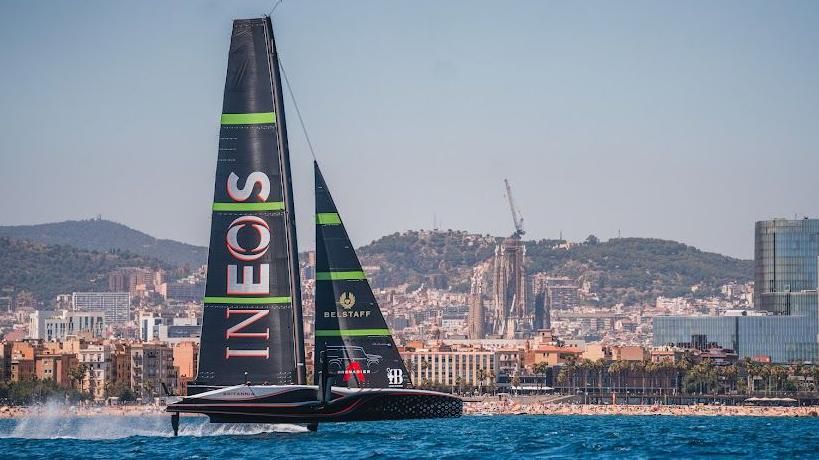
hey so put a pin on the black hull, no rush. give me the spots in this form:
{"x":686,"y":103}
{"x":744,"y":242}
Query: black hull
{"x":298,"y":405}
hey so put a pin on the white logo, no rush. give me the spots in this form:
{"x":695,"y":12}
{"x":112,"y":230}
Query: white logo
{"x":396,"y":376}
{"x":232,"y":238}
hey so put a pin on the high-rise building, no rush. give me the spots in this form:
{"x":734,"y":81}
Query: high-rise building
{"x":511,"y":315}
{"x":149,"y":326}
{"x":785,"y":325}
{"x":151,"y":366}
{"x":116,"y":306}
{"x":57,"y":325}
{"x":561,"y":291}
{"x":785,"y":276}
{"x":188,"y":291}
{"x":477,"y":314}
{"x":135,"y":280}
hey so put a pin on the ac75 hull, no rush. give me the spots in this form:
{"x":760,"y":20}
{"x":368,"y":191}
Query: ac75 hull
{"x":299,"y":404}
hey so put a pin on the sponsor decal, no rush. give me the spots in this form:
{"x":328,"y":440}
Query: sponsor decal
{"x":241,"y":280}
{"x":395,"y":376}
{"x":346,"y":301}
{"x":354,"y":370}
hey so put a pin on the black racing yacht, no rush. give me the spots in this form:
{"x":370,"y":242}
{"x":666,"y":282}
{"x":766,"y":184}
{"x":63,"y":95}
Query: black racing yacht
{"x":252,"y":360}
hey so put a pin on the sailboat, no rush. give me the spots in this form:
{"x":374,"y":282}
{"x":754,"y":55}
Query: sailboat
{"x":252,"y":359}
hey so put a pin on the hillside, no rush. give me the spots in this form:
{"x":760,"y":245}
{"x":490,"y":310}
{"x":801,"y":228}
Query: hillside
{"x":47,"y":270}
{"x":624,"y":270}
{"x":103,"y":235}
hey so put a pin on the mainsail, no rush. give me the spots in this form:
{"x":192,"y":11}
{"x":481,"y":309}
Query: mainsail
{"x":351,"y":334}
{"x":252,"y":321}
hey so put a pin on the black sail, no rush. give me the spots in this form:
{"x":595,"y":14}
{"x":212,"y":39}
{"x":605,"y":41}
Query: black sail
{"x":351,"y":334}
{"x":251,"y":327}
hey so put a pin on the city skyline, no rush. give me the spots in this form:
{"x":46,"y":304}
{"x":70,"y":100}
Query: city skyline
{"x":696,"y":120}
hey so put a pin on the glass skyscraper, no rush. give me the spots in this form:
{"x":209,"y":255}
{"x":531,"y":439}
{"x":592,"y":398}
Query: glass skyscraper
{"x":785,"y":293}
{"x":785,"y":254}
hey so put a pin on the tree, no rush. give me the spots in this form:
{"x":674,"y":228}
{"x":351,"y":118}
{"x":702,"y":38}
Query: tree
{"x":592,"y":240}
{"x":481,"y":377}
{"x":77,"y":376}
{"x":516,"y":382}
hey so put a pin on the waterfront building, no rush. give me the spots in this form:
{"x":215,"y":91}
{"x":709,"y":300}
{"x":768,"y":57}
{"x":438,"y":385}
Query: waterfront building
{"x":55,"y":366}
{"x":96,"y":360}
{"x":450,"y":368}
{"x":115,"y":306}
{"x":551,"y":355}
{"x":629,"y":353}
{"x":185,"y":359}
{"x":120,"y":368}
{"x":5,"y":361}
{"x":151,"y":366}
{"x":785,"y":325}
{"x":58,"y":325}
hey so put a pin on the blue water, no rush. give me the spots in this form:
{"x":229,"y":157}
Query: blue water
{"x":467,"y":437}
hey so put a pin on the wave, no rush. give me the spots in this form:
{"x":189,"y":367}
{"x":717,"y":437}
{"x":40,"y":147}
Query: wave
{"x":55,"y":423}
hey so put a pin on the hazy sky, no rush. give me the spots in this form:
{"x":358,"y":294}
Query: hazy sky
{"x":676,"y":120}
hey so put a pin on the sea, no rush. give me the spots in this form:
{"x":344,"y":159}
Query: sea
{"x":485,"y":437}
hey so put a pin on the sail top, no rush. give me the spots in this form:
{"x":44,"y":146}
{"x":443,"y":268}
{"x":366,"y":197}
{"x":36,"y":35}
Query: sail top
{"x":351,"y":333}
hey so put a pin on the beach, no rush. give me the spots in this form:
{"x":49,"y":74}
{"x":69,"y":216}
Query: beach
{"x":485,"y":407}
{"x":513,"y":407}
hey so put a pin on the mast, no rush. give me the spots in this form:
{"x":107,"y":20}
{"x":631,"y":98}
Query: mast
{"x":290,"y":216}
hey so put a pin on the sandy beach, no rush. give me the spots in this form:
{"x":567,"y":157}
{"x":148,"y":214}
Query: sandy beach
{"x":512,"y":407}
{"x":487,"y":407}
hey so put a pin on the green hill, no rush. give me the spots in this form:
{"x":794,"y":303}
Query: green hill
{"x":627,"y":270}
{"x":103,"y":235}
{"x":48,"y":270}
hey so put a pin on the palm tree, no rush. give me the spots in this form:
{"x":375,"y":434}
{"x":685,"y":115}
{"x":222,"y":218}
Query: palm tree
{"x":410,"y":364}
{"x":425,"y":366}
{"x":600,"y":366}
{"x":481,"y":374}
{"x":515,"y":382}
{"x":491,"y":377}
{"x":729,"y":376}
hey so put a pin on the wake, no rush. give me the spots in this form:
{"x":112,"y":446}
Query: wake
{"x":53,"y":422}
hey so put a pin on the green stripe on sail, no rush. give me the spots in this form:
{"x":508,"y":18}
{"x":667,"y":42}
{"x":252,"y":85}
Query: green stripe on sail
{"x":269,"y":206}
{"x":341,"y":276}
{"x":352,"y":332}
{"x":328,"y":218}
{"x":248,"y":300}
{"x":248,"y":118}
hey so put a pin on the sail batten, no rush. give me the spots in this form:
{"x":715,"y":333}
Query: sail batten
{"x":351,"y":333}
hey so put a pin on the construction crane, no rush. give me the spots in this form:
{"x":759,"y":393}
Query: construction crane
{"x":516,"y":217}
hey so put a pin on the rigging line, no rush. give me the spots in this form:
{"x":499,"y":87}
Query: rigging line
{"x":298,"y":112}
{"x":276,"y":5}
